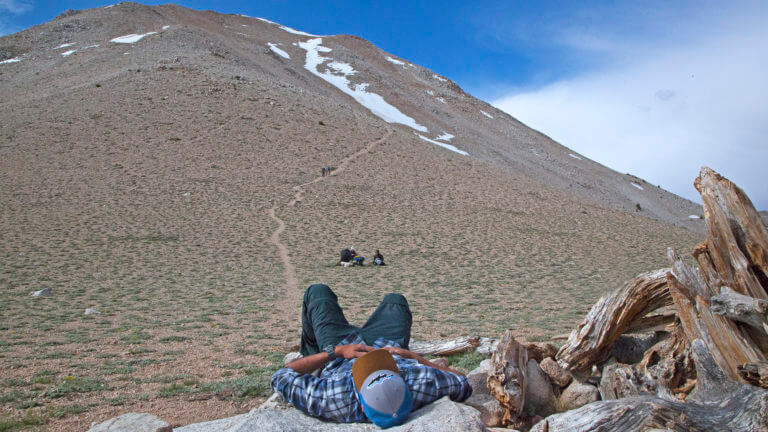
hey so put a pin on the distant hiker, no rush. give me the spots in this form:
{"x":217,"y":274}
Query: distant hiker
{"x":328,"y":170}
{"x":366,"y":373}
{"x":356,"y":258}
{"x":346,"y":255}
{"x":323,"y":169}
{"x":378,"y":259}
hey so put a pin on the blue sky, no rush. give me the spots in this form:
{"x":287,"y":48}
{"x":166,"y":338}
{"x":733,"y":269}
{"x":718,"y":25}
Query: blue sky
{"x":653,"y":88}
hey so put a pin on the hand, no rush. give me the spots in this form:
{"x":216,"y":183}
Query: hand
{"x":404,"y":353}
{"x":353,"y":351}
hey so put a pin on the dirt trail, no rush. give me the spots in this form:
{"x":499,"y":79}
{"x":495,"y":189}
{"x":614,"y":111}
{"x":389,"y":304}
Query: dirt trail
{"x":289,"y":271}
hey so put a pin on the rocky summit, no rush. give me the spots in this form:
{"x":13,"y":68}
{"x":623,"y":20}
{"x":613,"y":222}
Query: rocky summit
{"x":168,"y":168}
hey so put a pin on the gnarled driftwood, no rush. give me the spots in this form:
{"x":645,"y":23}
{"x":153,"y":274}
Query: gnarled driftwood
{"x":719,"y":405}
{"x":610,"y":317}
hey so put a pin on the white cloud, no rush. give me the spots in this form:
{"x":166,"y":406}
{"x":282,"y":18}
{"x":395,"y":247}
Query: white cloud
{"x":15,"y":7}
{"x":661,"y":109}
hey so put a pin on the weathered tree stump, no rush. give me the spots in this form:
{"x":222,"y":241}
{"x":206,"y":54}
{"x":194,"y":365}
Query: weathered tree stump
{"x":737,"y":239}
{"x":507,"y":381}
{"x":610,"y":317}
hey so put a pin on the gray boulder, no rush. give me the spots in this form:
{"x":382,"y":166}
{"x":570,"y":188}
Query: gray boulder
{"x":132,"y":422}
{"x":556,"y":373}
{"x":441,"y":415}
{"x":577,"y":395}
{"x":539,"y":397}
{"x":491,"y":411}
{"x":41,"y":293}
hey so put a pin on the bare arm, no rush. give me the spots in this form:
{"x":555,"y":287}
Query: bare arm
{"x":313,"y":362}
{"x":412,"y":355}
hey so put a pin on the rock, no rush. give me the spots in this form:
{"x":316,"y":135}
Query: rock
{"x":441,"y":361}
{"x":90,"y":311}
{"x":441,"y":415}
{"x":132,"y":422}
{"x":555,"y":372}
{"x":42,"y":292}
{"x":291,"y":356}
{"x":540,"y":350}
{"x":491,"y":411}
{"x":478,"y":378}
{"x":577,"y":395}
{"x":274,"y":401}
{"x":539,"y":397}
{"x":487,"y":346}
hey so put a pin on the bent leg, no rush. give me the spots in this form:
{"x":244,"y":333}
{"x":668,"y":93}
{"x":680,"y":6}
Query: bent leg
{"x":322,"y":320}
{"x":391,"y":320}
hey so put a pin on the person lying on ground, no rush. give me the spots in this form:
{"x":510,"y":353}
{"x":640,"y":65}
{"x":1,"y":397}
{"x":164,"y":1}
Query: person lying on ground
{"x":368,"y":373}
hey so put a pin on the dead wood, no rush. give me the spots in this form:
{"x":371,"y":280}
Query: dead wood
{"x":610,"y":317}
{"x":719,"y":404}
{"x":755,"y":374}
{"x":737,"y":239}
{"x":728,"y":345}
{"x":507,"y":380}
{"x":655,"y":322}
{"x":445,"y":347}
{"x":665,"y":370}
{"x":741,"y":308}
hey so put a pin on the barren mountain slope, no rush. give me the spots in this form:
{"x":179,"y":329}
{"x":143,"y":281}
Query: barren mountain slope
{"x":140,"y":179}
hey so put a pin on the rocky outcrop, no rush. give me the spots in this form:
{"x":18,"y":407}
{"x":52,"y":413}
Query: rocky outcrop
{"x":132,"y":422}
{"x":442,"y":415}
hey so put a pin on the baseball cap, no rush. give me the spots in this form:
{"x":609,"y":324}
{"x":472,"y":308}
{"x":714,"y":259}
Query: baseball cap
{"x":383,"y":393}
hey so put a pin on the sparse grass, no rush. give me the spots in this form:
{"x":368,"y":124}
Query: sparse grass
{"x":73,"y":384}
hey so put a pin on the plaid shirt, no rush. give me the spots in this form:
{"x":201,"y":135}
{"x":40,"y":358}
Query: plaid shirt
{"x":332,"y":396}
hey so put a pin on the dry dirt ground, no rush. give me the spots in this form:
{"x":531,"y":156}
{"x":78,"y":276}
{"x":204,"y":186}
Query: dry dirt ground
{"x":190,"y":211}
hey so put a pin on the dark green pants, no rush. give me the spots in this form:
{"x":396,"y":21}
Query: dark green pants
{"x":323,"y":322}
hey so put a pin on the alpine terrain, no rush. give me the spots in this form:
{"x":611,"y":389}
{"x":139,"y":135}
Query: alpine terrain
{"x":161,"y":168}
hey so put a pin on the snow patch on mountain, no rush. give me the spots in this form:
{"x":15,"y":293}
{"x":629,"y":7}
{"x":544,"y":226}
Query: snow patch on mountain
{"x":131,"y":38}
{"x":13,"y":60}
{"x":486,"y":114}
{"x":395,"y":61}
{"x":297,"y":32}
{"x":277,"y":50}
{"x":65,"y":45}
{"x":439,"y":78}
{"x":636,"y":185}
{"x":441,"y":100}
{"x":445,"y":137}
{"x":375,"y":103}
{"x":574,"y":156}
{"x":68,"y":53}
{"x":443,"y":145}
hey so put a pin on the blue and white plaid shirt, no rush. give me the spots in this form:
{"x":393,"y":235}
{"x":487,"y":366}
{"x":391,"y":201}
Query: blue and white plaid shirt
{"x":332,"y":396}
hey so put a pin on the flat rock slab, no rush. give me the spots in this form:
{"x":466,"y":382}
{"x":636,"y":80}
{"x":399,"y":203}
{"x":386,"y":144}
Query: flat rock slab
{"x":132,"y":422}
{"x":439,"y":416}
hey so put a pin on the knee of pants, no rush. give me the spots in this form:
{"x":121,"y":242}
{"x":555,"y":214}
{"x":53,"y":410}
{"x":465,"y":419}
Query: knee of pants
{"x":318,"y":291}
{"x":395,"y":298}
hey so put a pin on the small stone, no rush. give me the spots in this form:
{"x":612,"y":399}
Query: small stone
{"x":487,"y":345}
{"x":42,"y":292}
{"x":440,"y":361}
{"x":577,"y":395}
{"x":540,"y":350}
{"x":556,"y":373}
{"x":90,"y":311}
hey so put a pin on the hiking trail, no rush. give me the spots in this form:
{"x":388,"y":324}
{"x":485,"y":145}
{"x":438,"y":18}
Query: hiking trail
{"x":289,"y":271}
